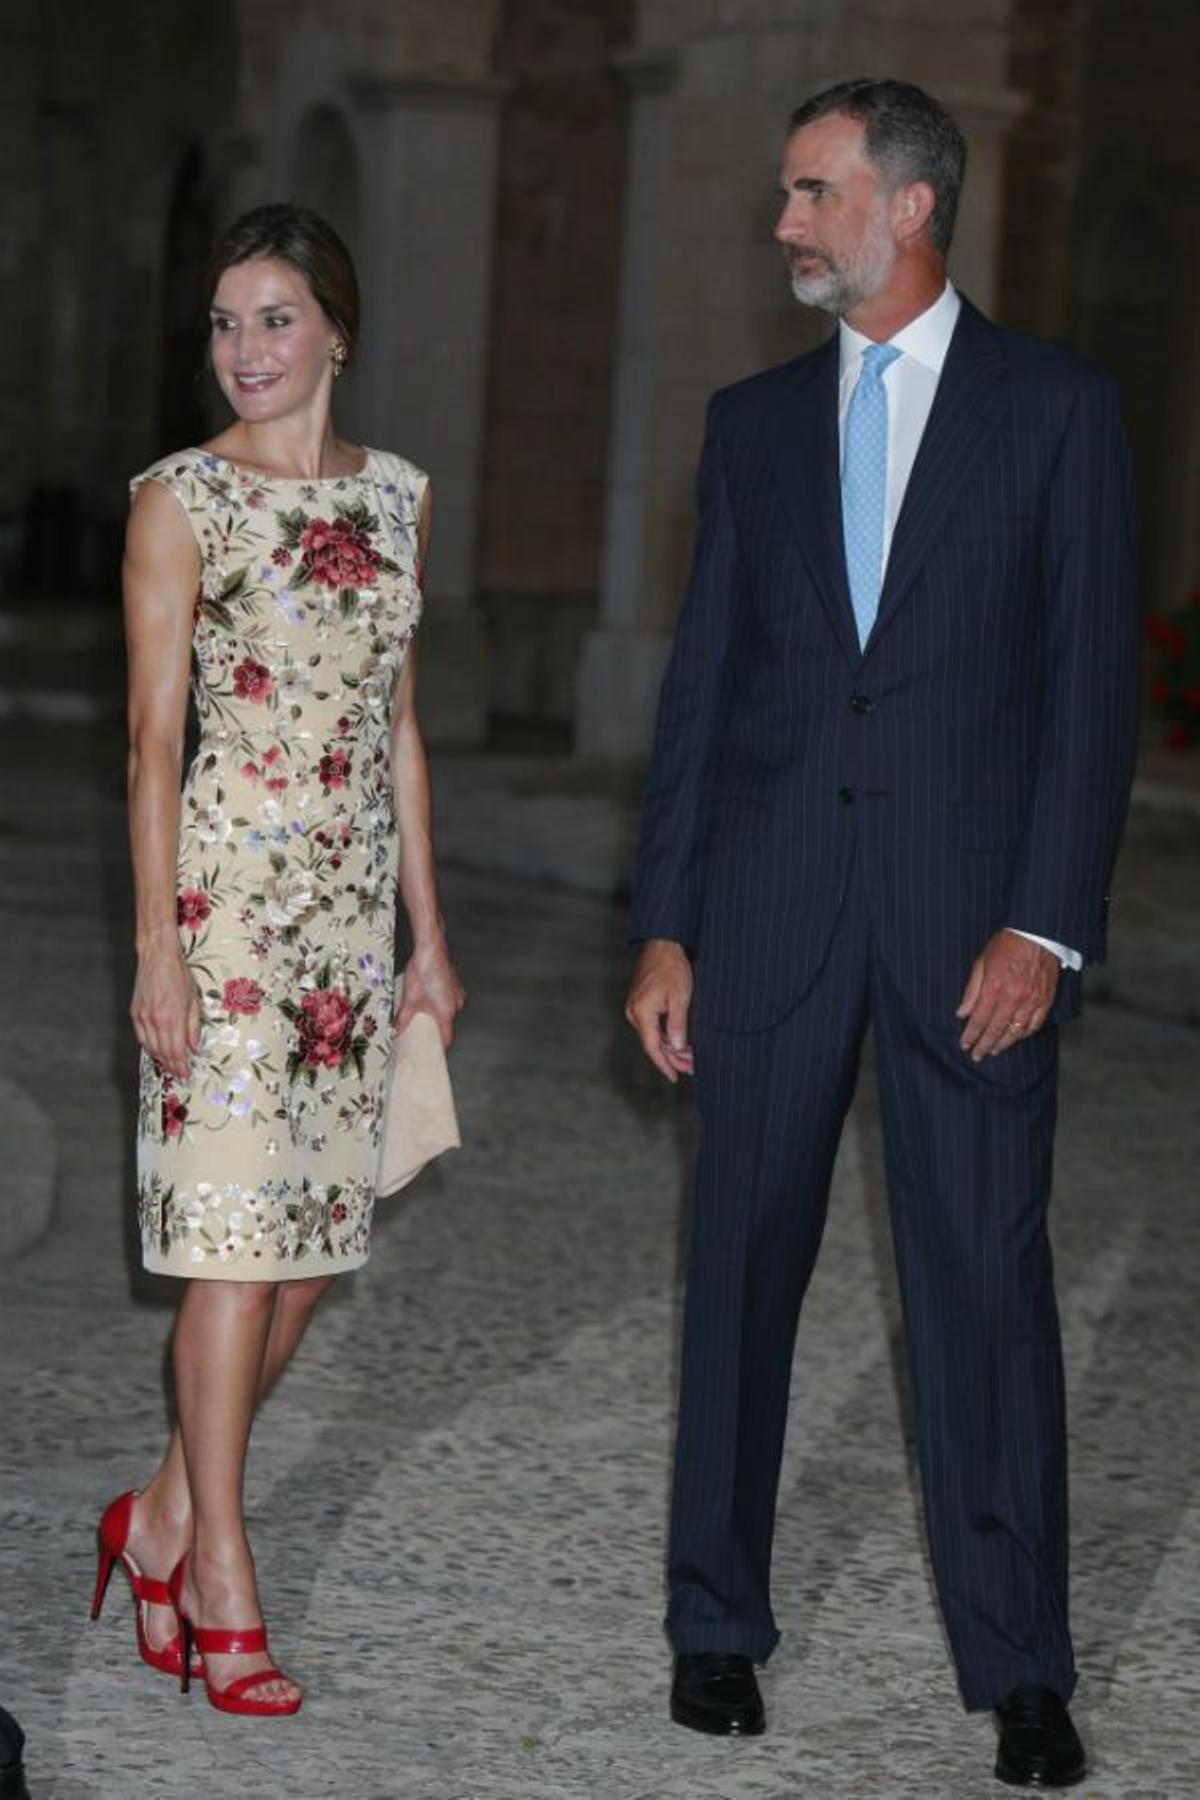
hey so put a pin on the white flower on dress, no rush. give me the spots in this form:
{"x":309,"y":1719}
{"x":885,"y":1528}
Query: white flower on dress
{"x":212,"y":826}
{"x":237,"y":1099}
{"x":241,"y":1097}
{"x":290,"y":896}
{"x":377,"y":679}
{"x":292,"y":680}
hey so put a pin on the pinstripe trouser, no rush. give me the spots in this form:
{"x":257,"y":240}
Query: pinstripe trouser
{"x":968,"y":1154}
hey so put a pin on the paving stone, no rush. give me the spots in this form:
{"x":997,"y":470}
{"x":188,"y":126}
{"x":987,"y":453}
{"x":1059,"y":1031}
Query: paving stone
{"x":458,"y":1495}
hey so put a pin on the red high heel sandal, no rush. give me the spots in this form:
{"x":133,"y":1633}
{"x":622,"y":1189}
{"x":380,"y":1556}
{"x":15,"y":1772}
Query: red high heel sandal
{"x":112,"y":1535}
{"x":237,"y":1697}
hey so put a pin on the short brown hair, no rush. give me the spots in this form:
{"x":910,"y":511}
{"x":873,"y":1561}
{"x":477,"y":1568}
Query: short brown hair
{"x":299,"y":236}
{"x":907,"y":135}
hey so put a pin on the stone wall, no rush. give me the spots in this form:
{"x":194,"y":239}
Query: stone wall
{"x":1102,"y":239}
{"x":704,"y":296}
{"x":562,"y":212}
{"x":557,"y":262}
{"x":93,"y":139}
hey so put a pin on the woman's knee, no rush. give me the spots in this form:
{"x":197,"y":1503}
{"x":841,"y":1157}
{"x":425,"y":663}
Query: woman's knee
{"x":304,"y":1293}
{"x":251,"y":1299}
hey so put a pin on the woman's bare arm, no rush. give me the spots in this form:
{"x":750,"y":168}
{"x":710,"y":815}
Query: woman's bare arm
{"x":160,"y":579}
{"x":431,"y":982}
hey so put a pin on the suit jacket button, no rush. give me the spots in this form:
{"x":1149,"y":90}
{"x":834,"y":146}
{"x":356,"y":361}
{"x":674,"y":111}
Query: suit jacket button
{"x":861,"y":703}
{"x":846,"y":796}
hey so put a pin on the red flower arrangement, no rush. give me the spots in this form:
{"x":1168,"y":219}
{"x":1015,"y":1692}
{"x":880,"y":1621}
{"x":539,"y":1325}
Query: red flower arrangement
{"x":174,"y":1115}
{"x":326,"y":1022}
{"x":334,"y":769}
{"x":338,"y":554}
{"x":252,"y":680}
{"x":192,"y":908}
{"x":323,"y":1028}
{"x":1174,"y":666}
{"x":242,"y":995}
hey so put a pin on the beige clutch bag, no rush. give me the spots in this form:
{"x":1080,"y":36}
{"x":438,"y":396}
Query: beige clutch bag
{"x":419,"y":1120}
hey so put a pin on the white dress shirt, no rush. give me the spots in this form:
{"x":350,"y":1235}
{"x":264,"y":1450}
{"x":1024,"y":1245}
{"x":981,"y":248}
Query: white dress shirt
{"x":911,"y":383}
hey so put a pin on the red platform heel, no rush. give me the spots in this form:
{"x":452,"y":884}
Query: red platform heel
{"x":112,"y":1535}
{"x":237,"y":1697}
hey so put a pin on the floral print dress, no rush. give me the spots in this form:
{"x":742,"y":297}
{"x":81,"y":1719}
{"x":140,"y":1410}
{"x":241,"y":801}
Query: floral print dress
{"x":262,"y":1166}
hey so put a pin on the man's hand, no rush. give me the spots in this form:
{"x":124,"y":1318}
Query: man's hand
{"x":660,"y":996}
{"x":1008,"y":995}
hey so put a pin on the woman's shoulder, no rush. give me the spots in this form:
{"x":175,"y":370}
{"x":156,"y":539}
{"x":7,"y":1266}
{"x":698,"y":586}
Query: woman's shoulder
{"x":396,"y":473}
{"x":179,"y":472}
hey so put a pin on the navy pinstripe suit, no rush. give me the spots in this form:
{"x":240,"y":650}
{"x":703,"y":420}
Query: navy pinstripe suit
{"x":834,"y":834}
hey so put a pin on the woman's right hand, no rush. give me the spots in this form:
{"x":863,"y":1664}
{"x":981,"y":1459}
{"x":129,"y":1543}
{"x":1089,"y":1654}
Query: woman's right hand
{"x":166,"y":1008}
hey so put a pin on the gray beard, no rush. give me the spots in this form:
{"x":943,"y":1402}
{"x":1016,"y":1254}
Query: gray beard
{"x":840,"y":288}
{"x":828,"y":291}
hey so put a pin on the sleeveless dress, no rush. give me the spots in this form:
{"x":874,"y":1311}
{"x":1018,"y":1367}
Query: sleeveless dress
{"x":263,"y":1165}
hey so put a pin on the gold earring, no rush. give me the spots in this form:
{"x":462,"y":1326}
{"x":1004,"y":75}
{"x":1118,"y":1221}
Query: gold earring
{"x":337,"y":357}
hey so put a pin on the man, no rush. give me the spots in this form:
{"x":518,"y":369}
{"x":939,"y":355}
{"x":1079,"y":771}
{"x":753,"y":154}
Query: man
{"x":892,"y":761}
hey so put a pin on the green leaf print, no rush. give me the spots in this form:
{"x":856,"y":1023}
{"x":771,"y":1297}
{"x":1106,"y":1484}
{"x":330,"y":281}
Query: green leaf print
{"x":358,"y":514}
{"x":217,"y":612}
{"x":291,"y":524}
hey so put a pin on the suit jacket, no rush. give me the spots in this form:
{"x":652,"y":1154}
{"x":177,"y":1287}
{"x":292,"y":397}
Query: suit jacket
{"x":975,"y":758}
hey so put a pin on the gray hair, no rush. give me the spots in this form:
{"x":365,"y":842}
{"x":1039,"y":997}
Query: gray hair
{"x":907,"y":135}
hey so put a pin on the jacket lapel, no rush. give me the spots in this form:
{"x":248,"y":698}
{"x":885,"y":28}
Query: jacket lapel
{"x":806,"y":463}
{"x":963,"y":414}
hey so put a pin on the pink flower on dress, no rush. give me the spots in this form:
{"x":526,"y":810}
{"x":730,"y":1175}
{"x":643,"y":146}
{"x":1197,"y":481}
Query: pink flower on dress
{"x":192,"y":908}
{"x":281,"y":557}
{"x":334,"y":769}
{"x":252,"y":680}
{"x":271,"y":759}
{"x":174,"y":1115}
{"x":242,"y":994}
{"x":324,"y":1026}
{"x":340,"y":1212}
{"x":338,"y":554}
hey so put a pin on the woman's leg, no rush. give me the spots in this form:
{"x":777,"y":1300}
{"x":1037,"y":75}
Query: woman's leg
{"x":161,"y":1531}
{"x":220,"y":1349}
{"x":295,"y":1303}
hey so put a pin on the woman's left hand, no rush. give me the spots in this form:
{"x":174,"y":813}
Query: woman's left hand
{"x":431,"y":985}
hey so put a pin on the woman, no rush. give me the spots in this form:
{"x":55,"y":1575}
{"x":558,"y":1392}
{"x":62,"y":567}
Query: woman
{"x":287,"y":562}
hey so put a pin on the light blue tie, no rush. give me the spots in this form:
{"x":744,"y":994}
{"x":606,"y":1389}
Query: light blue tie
{"x":864,"y":485}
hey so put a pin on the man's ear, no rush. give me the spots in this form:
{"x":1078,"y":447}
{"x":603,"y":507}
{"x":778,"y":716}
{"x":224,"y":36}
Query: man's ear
{"x":911,"y":208}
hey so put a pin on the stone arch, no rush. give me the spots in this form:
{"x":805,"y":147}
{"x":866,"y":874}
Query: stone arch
{"x":325,"y":171}
{"x":324,"y":175}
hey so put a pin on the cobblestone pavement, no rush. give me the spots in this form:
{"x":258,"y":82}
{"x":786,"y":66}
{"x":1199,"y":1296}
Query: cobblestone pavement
{"x":457,"y":1497}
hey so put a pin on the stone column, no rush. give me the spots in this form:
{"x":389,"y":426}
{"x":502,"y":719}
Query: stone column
{"x":429,"y":155}
{"x":623,"y":657}
{"x":986,"y":117}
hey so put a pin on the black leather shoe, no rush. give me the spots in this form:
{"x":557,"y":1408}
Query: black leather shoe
{"x":715,"y":1691}
{"x":1039,"y":1746}
{"x":12,"y":1744}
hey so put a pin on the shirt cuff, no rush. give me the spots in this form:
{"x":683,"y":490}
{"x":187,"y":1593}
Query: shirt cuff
{"x":1070,"y":959}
